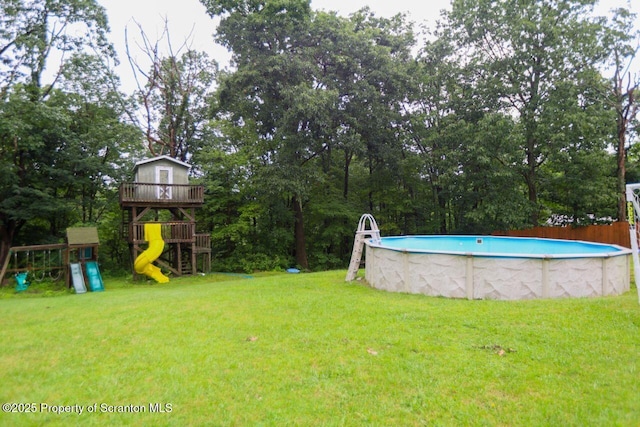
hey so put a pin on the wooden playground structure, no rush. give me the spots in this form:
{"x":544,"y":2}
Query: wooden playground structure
{"x":52,"y":262}
{"x":161,"y":194}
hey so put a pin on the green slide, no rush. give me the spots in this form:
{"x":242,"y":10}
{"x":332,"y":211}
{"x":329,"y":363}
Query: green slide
{"x":94,"y":276}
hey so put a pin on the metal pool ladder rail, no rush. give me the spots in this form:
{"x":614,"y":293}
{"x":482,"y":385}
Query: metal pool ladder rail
{"x":358,"y":244}
{"x":633,"y":208}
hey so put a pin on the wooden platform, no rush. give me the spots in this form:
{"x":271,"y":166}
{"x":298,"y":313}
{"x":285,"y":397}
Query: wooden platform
{"x":142,"y":194}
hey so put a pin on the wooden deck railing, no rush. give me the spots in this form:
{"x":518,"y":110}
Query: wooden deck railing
{"x":172,"y":232}
{"x":135,"y":192}
{"x":175,"y":232}
{"x":203,"y":242}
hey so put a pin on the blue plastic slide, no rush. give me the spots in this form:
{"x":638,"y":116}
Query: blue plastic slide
{"x":77,"y":278}
{"x":94,"y":276}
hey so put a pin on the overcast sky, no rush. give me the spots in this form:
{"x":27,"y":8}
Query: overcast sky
{"x":188,"y":20}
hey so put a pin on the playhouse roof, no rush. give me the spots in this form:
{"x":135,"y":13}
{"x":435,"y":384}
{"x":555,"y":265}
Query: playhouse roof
{"x":82,"y":236}
{"x":164,"y":157}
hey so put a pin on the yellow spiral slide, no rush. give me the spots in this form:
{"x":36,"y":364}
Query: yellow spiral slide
{"x":144,"y":263}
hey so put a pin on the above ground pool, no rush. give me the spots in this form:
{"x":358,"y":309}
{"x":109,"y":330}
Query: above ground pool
{"x":490,"y":267}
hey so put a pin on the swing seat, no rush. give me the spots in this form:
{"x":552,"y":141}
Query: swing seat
{"x":21,"y":282}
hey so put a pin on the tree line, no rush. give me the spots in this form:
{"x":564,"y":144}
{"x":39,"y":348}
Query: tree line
{"x":511,"y":114}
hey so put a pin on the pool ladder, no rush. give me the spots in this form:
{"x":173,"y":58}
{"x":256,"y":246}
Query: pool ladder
{"x":358,"y":244}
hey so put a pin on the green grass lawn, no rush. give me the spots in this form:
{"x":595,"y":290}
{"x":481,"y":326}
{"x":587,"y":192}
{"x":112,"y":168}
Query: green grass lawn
{"x":310,"y":349}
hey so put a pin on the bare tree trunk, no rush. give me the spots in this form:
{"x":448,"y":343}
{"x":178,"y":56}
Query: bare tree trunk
{"x":348,"y":157}
{"x":301,"y":250}
{"x":621,"y":172}
{"x":626,"y":109}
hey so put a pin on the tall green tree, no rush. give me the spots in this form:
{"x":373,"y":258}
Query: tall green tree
{"x":39,"y":123}
{"x":320,"y":91}
{"x":32,"y":32}
{"x":273,"y":87}
{"x":624,"y":90}
{"x":440,"y":120}
{"x":520,"y":54}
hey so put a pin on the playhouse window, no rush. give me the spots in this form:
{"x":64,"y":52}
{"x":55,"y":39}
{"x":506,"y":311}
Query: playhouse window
{"x":85,"y":253}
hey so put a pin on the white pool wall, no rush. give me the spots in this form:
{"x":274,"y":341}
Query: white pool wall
{"x":503,"y":278}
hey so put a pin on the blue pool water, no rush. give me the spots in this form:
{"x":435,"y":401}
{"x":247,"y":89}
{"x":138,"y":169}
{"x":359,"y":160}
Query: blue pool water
{"x":498,"y":246}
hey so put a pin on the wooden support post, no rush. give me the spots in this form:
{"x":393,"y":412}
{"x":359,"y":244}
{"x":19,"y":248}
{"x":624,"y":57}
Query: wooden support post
{"x":5,"y":265}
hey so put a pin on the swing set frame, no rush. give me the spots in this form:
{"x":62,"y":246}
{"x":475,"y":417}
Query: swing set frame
{"x":37,"y":261}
